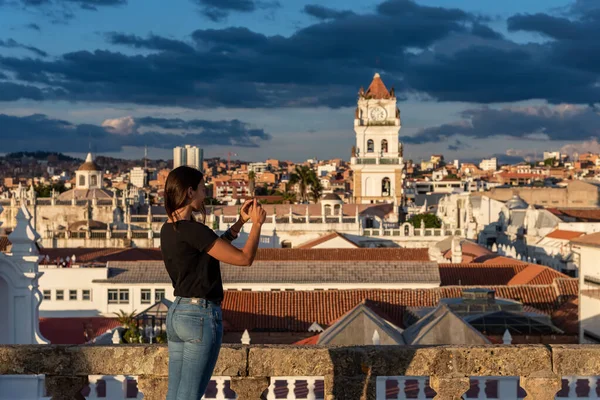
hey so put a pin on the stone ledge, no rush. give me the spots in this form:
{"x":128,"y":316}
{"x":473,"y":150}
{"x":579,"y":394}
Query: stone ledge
{"x":266,"y":361}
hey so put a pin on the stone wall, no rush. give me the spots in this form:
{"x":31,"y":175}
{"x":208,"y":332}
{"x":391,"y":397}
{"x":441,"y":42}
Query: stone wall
{"x":348,"y":372}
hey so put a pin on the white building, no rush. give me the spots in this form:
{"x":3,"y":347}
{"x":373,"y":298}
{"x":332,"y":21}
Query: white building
{"x":489,"y":164}
{"x":552,"y":154}
{"x":587,"y":251}
{"x":323,"y":170}
{"x":138,"y":177}
{"x":377,"y":156}
{"x":259,"y":167}
{"x":189,"y":155}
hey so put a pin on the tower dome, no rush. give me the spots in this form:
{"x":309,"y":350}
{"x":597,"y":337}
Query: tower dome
{"x":516,"y":203}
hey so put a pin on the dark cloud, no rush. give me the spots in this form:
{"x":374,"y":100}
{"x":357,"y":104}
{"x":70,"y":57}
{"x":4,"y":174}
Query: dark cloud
{"x":542,"y":123}
{"x":12,"y":92}
{"x":218,"y":10}
{"x":17,"y":133}
{"x":321,"y":12}
{"x":34,"y":27}
{"x":11,"y":43}
{"x":445,"y":54}
{"x":458,"y":145}
{"x":485,"y":31}
{"x":152,"y":42}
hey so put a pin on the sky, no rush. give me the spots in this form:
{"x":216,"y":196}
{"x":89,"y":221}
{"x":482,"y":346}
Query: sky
{"x":279,"y":78}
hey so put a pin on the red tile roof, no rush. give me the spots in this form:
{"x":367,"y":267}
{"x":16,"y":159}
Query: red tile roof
{"x":71,"y":330}
{"x":566,"y":316}
{"x":325,"y":238}
{"x":297,"y":311}
{"x":470,"y":251}
{"x":562,"y":234}
{"x":377,"y":89}
{"x":359,"y":254}
{"x":535,"y":274}
{"x":509,"y":273}
{"x":593,"y":239}
{"x":580,"y":214}
{"x":102,"y":255}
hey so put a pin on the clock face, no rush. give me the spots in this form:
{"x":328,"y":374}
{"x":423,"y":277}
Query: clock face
{"x":377,"y":113}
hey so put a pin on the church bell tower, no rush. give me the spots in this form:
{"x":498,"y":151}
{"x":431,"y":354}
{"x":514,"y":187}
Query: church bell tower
{"x":377,"y":156}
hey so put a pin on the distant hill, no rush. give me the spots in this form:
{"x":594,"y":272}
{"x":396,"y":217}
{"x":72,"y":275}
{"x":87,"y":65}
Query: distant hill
{"x":40,"y":155}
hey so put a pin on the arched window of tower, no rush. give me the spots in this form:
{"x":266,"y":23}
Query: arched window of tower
{"x":81,"y":180}
{"x":384,"y":146}
{"x":370,"y":146}
{"x":93,"y":181}
{"x":385,"y":187}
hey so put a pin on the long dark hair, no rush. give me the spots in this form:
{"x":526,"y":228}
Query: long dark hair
{"x":178,"y":182}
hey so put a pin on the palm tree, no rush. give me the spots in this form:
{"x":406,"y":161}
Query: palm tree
{"x":251,"y":182}
{"x":126,"y":320}
{"x":302,"y":177}
{"x":316,"y":189}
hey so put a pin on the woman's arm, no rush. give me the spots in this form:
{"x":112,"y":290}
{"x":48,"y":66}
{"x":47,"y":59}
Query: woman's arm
{"x":224,"y":251}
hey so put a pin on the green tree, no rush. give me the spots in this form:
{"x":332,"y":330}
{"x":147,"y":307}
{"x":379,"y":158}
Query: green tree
{"x":316,"y":189}
{"x":132,"y":334}
{"x":302,"y":177}
{"x":46,"y":190}
{"x":549,"y":162}
{"x":431,"y":221}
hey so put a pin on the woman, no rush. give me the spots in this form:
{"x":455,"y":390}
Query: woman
{"x":192,"y":252}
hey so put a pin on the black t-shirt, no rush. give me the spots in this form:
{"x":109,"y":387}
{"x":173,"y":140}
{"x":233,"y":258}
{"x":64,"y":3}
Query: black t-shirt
{"x":193,"y":271}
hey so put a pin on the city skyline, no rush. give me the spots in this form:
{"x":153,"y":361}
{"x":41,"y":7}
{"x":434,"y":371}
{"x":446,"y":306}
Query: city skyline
{"x":274,"y":80}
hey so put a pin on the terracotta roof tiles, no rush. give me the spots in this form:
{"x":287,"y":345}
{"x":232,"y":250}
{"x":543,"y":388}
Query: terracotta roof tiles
{"x":563,"y":234}
{"x":325,"y":238}
{"x":297,"y":311}
{"x":377,"y":89}
{"x":506,"y":273}
{"x":359,"y":254}
{"x":593,"y":239}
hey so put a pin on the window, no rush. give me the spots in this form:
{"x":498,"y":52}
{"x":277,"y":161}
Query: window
{"x":159,"y":294}
{"x":384,"y":147}
{"x":93,"y":181}
{"x":385,"y":187}
{"x":86,"y":295}
{"x":81,"y":180}
{"x":47,"y":295}
{"x":146,"y":295}
{"x":60,"y":295}
{"x":370,"y":146}
{"x":118,"y":296}
{"x":72,"y":294}
{"x":327,"y":209}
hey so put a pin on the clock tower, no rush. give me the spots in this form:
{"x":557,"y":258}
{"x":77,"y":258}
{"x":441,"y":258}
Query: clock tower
{"x":377,"y":156}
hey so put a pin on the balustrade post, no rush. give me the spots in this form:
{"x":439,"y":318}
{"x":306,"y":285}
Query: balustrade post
{"x":65,"y":387}
{"x":449,"y":388}
{"x":153,"y":387}
{"x":543,"y":387}
{"x":249,"y":388}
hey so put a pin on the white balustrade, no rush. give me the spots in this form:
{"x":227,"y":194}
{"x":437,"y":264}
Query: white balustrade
{"x":290,"y":384}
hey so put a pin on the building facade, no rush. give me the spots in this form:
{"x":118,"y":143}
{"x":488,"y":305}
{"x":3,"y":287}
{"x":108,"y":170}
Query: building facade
{"x":377,"y":156}
{"x":189,"y":155}
{"x":138,"y":177}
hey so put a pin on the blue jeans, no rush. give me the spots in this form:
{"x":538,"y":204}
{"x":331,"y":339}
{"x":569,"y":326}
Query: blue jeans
{"x":194,"y":332}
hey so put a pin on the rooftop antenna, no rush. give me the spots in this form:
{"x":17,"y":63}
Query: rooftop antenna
{"x":146,"y":157}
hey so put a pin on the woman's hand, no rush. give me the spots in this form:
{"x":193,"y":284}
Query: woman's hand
{"x":257,"y":213}
{"x":245,"y":211}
